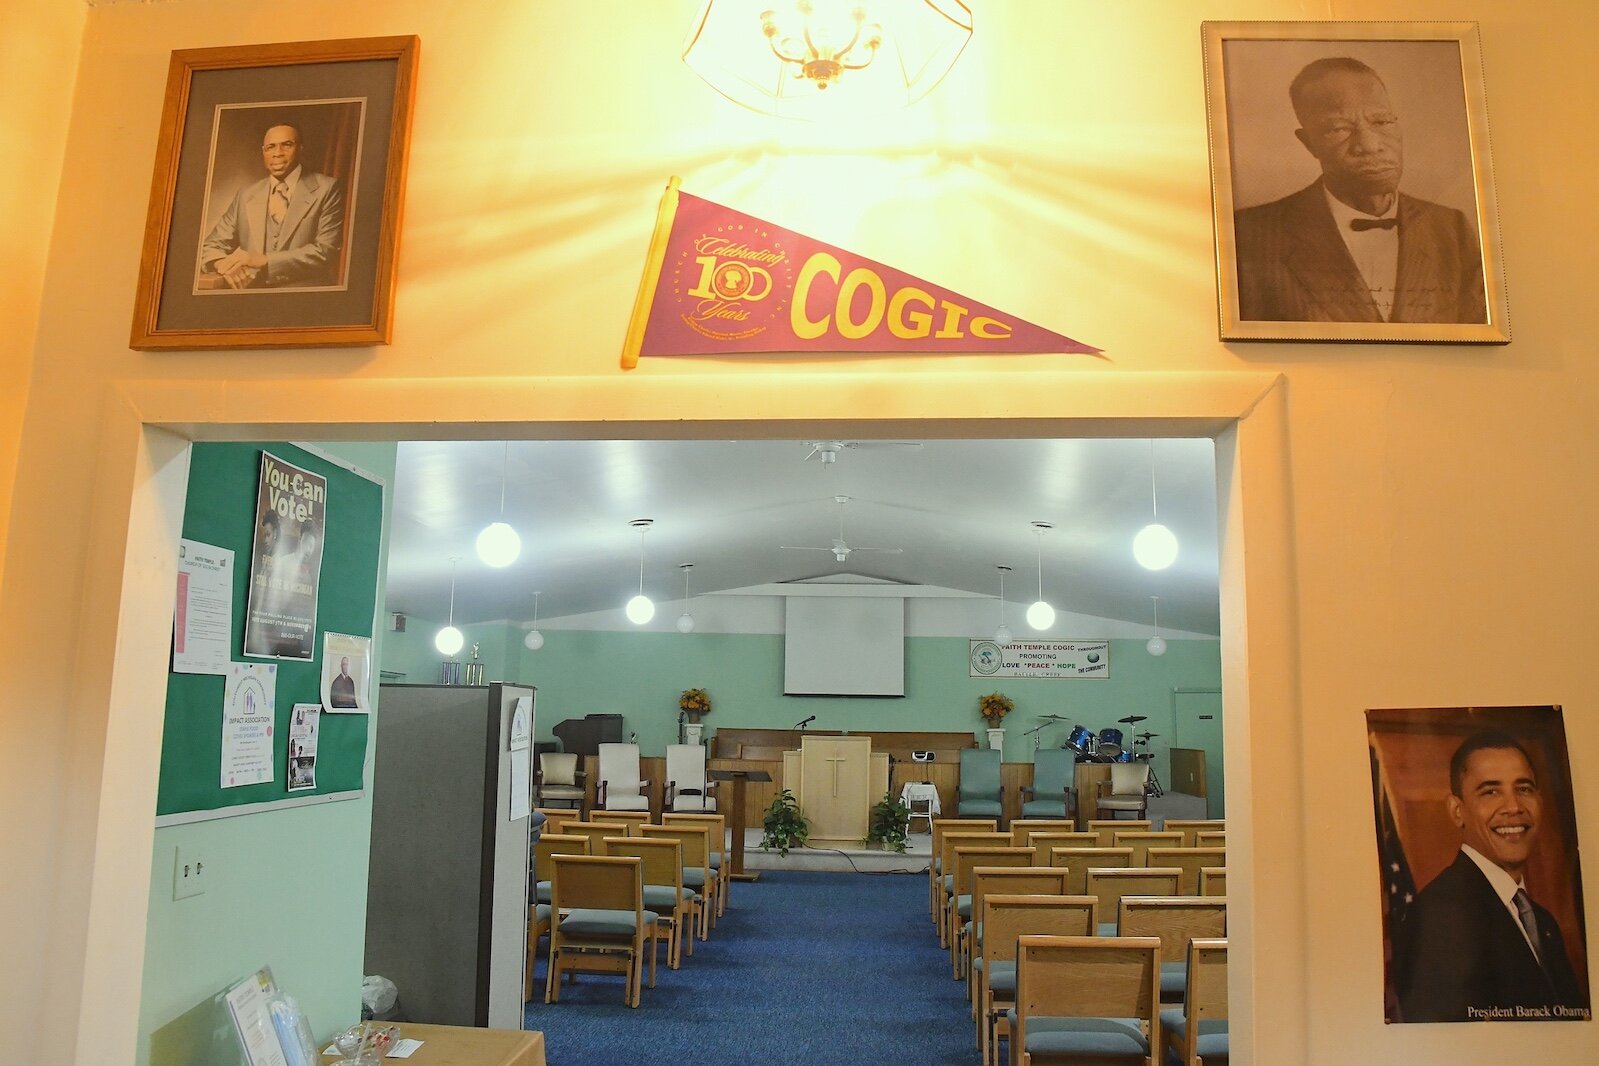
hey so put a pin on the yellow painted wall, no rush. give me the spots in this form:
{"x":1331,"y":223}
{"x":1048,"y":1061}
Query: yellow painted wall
{"x":38,"y":63}
{"x":1418,"y":518}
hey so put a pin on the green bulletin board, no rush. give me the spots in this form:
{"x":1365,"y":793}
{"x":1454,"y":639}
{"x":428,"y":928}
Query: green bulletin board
{"x":220,"y":510}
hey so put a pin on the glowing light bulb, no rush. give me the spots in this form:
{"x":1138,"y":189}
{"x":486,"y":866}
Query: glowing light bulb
{"x":640,"y":609}
{"x":498,"y":545}
{"x":449,"y":640}
{"x":1040,"y":615}
{"x":1155,"y":547}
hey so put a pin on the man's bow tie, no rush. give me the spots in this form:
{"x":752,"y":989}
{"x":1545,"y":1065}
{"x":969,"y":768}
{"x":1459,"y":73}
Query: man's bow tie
{"x":1360,"y":225}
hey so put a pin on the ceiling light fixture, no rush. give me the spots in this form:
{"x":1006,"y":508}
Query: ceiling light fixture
{"x":640,"y":609}
{"x":450,"y":640}
{"x":1155,"y":547}
{"x":534,"y":639}
{"x":1002,"y":635}
{"x":1156,"y":644}
{"x":498,"y":545}
{"x":808,"y":58}
{"x":1041,"y":615}
{"x":685,"y":621}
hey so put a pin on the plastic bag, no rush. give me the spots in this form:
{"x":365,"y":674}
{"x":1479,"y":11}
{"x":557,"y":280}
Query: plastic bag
{"x":378,"y":996}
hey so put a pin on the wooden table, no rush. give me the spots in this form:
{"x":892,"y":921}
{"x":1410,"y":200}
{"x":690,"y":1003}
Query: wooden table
{"x":455,"y":1045}
{"x":739,"y":777}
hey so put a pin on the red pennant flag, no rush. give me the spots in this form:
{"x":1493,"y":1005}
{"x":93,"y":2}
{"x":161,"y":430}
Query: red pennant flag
{"x":719,"y":281}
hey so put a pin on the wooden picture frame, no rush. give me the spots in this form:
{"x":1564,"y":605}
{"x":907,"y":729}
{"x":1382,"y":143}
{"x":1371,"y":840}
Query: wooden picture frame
{"x":230,"y":261}
{"x":1394,"y":117}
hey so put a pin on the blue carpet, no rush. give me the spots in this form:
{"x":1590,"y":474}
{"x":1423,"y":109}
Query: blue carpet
{"x":809,"y":969}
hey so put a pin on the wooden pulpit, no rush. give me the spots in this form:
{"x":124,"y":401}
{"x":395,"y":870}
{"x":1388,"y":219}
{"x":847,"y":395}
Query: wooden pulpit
{"x":836,"y":780}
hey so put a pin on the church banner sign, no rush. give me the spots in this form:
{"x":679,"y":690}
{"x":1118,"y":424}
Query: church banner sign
{"x":720,"y":282}
{"x":1041,"y":658}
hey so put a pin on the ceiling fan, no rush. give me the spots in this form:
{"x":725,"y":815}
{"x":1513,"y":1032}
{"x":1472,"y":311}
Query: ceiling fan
{"x":840,"y":549}
{"x":827,"y":450}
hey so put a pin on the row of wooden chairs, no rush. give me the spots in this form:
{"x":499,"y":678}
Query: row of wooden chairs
{"x":608,"y":892}
{"x":976,"y":868}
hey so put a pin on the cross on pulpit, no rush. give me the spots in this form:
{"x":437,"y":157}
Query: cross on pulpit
{"x":835,"y":760}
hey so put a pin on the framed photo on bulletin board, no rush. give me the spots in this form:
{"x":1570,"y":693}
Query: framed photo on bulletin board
{"x":275,"y":207}
{"x":1351,"y":183}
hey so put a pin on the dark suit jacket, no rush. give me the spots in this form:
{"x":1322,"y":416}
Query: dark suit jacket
{"x":307,"y":251}
{"x":1293,"y":266}
{"x":1460,"y":947}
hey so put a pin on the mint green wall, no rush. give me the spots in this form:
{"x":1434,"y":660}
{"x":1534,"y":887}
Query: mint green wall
{"x":289,"y":888}
{"x":640,"y":675}
{"x":413,"y":654}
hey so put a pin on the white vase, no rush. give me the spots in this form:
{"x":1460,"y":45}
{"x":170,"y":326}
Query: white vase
{"x":996,"y":739}
{"x":692,"y":732}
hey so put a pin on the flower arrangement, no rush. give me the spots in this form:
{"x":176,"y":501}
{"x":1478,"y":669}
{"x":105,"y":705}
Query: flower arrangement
{"x":995,"y":706}
{"x":694,"y":702}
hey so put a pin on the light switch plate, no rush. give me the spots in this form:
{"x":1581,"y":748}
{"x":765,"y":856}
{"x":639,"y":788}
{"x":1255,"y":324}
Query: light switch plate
{"x":189,"y":873}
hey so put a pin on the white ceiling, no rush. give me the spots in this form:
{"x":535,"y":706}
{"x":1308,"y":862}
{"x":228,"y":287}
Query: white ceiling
{"x":958,"y":508}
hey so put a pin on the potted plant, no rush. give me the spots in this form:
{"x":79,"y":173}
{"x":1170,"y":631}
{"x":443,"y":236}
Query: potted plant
{"x":693,"y":703}
{"x":994,"y":707}
{"x":785,"y":826}
{"x":890,"y":825}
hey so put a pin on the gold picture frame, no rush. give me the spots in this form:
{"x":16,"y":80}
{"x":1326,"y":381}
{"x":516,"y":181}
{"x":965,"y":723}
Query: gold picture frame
{"x":234,"y":259}
{"x":1394,"y":111}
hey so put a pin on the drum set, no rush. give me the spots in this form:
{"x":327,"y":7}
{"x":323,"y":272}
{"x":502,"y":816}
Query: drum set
{"x":1106,"y":746}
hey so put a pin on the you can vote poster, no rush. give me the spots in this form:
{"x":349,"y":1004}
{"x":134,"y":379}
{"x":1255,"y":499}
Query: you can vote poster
{"x":286,"y":562}
{"x":1481,"y":884}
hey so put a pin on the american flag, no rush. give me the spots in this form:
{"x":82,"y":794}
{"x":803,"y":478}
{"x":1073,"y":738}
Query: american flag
{"x":1398,"y":885}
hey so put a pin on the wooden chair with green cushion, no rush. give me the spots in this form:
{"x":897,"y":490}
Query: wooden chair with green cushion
{"x":631,"y":819}
{"x":599,"y":923}
{"x":1054,"y":770}
{"x":1213,"y":881}
{"x":1043,"y":843}
{"x":1190,"y":861}
{"x":1022,"y":828}
{"x":596,"y":831}
{"x":1006,"y":881}
{"x":1109,"y":886}
{"x":664,"y":893}
{"x":1086,"y":999}
{"x":935,"y":867}
{"x":981,"y":794}
{"x":1196,"y":1032}
{"x":960,"y":907}
{"x":1007,"y":916}
{"x":697,"y":876}
{"x":553,"y":844}
{"x":946,"y":861}
{"x":1141,"y":840}
{"x":1078,"y":861}
{"x":1176,"y":920}
{"x":1107,"y":828}
{"x":1192,"y":827}
{"x":720,"y":864}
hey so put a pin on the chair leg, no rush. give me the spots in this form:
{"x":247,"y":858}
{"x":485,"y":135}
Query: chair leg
{"x":552,"y":983}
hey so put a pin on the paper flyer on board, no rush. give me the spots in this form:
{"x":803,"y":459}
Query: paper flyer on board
{"x":286,"y":561}
{"x":202,"y":617}
{"x":346,"y":673}
{"x":249,"y":700}
{"x":304,"y":727}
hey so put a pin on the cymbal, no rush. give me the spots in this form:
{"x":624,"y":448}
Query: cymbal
{"x":1132,"y":718}
{"x":1147,"y":736}
{"x":1052,"y":717}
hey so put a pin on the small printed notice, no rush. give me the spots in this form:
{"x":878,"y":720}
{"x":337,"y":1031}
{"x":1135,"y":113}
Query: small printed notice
{"x":249,"y":1002}
{"x":304,"y":725}
{"x":203,"y":616}
{"x":1041,"y":658}
{"x":346,"y":673}
{"x":249,"y":699}
{"x":521,"y":794}
{"x":522,"y":723}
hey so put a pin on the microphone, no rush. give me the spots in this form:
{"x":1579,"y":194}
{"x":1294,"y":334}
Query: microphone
{"x":805,"y":723}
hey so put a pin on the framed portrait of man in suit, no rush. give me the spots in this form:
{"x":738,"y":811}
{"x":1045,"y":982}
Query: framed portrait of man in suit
{"x":275,"y":205}
{"x":1351,"y":187}
{"x":1482,"y":910}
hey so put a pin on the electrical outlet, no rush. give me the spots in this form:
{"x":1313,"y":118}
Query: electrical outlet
{"x":190,"y":873}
